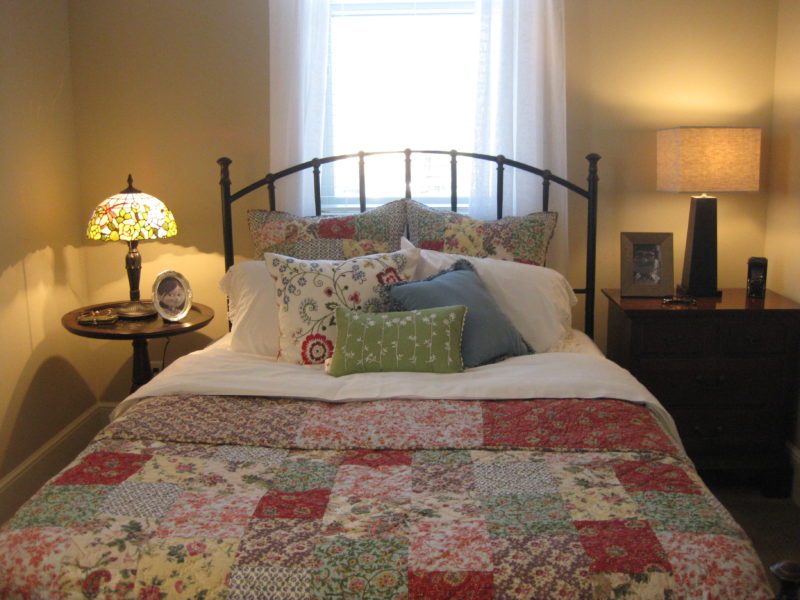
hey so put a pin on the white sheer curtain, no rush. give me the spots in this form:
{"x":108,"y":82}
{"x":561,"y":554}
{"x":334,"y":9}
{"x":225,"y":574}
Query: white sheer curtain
{"x":521,"y":106}
{"x":521,"y":109}
{"x":298,"y":67}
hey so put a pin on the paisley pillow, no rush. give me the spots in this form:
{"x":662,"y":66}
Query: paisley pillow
{"x":309,"y":291}
{"x":521,"y":239}
{"x":328,"y":238}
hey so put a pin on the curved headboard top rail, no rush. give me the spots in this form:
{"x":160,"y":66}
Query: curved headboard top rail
{"x":501,"y":162}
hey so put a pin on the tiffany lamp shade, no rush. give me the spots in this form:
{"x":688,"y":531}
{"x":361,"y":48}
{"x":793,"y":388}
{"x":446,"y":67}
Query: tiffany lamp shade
{"x":131,"y":216}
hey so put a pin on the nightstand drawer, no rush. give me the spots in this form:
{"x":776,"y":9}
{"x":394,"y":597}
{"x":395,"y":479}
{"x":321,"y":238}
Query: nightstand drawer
{"x":753,"y":337}
{"x":726,"y":430}
{"x":755,"y":382}
{"x":684,"y":337}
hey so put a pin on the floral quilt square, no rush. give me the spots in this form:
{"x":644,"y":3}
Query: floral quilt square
{"x":714,"y":566}
{"x":61,"y":506}
{"x":442,"y":457}
{"x":448,"y":585}
{"x":397,"y":424}
{"x":297,"y":474}
{"x":269,"y":583}
{"x":377,"y":458}
{"x":533,"y":566}
{"x":178,"y":568}
{"x":445,"y":507}
{"x":366,"y":518}
{"x":686,"y":513}
{"x":36,"y":559}
{"x":392,"y":483}
{"x":450,"y":546}
{"x":287,"y":543}
{"x":514,"y":478}
{"x":520,"y":514}
{"x":649,"y":476}
{"x":566,"y":424}
{"x":207,"y":514}
{"x":443,"y":479}
{"x":102,"y":468}
{"x":308,"y":504}
{"x":374,"y":569}
{"x":622,"y":545}
{"x":600,"y":504}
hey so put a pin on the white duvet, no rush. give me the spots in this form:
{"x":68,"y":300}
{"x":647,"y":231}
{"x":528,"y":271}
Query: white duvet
{"x":580,"y":373}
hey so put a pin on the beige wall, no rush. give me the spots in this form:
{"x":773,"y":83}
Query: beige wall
{"x":635,"y":67}
{"x":163,"y":89}
{"x":44,"y":384}
{"x":783,"y":222}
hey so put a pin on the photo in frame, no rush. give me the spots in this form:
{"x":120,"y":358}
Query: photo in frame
{"x":172,"y":295}
{"x":646,"y":264}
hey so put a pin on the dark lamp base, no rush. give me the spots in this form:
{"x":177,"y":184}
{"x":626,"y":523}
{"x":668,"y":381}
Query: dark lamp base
{"x":136,"y":309}
{"x":682,"y":291}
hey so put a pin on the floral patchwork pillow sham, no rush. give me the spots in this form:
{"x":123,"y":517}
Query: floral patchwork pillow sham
{"x":309,"y":291}
{"x":521,"y":239}
{"x":328,"y":238}
{"x":423,"y":341}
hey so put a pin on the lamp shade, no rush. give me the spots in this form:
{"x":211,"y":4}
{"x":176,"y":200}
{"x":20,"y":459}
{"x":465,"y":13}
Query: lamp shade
{"x":708,"y":159}
{"x":131,"y":216}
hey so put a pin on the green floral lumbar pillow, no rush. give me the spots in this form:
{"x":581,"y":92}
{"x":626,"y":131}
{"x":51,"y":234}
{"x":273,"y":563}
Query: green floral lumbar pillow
{"x":309,"y":291}
{"x":427,"y":340}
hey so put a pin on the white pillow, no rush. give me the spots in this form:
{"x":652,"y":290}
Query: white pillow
{"x":537,"y":300}
{"x":251,"y":308}
{"x":308,"y":292}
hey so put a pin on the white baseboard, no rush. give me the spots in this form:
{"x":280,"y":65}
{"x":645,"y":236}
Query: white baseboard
{"x":794,"y":452}
{"x":20,"y":484}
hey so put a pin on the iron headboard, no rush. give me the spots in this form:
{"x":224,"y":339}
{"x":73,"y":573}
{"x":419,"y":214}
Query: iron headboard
{"x":589,"y":193}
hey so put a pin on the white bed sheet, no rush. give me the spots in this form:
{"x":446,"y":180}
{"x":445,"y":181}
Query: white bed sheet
{"x":577,"y":370}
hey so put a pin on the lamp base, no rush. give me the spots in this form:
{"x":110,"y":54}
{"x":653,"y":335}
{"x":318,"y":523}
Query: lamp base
{"x":700,"y":260}
{"x":135,"y":309}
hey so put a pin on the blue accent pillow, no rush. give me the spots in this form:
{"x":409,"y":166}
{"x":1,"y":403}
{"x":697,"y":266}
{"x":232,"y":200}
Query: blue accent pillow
{"x":488,"y":334}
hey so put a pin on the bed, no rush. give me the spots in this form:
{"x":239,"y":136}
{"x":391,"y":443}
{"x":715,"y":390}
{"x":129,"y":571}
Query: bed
{"x":367,"y":462}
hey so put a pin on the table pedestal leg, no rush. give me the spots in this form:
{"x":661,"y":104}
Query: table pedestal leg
{"x":141,"y":364}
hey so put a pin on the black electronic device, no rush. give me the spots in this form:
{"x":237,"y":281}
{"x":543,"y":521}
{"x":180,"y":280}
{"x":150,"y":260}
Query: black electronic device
{"x":756,"y":277}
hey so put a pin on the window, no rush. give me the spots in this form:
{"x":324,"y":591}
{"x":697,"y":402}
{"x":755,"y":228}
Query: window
{"x":401,"y":74}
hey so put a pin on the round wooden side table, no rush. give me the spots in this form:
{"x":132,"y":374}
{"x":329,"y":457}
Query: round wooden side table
{"x":137,"y":330}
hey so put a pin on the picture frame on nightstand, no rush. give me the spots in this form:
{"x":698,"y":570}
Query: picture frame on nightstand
{"x":646,"y":264}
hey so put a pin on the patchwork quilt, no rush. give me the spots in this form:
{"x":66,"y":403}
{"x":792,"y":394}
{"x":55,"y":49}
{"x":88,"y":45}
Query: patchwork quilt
{"x":244,"y":498}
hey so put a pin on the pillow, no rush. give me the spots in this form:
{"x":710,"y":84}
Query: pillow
{"x":427,"y":341}
{"x":330,"y":238}
{"x":521,"y":239}
{"x":538,"y":301}
{"x":308,"y":293}
{"x":251,"y":308}
{"x":488,"y":334}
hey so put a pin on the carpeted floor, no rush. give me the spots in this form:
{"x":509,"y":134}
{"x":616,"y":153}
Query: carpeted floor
{"x":772,"y":523}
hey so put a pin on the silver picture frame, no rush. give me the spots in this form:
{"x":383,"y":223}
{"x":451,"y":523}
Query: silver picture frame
{"x":646,"y":266}
{"x":172,"y":295}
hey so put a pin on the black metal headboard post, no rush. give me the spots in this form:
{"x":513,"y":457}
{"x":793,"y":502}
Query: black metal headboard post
{"x":590,"y":193}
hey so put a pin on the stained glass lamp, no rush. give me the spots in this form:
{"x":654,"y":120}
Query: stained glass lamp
{"x":132,"y":216}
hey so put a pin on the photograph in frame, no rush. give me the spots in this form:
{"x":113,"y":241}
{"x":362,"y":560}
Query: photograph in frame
{"x":646,"y":264}
{"x":172,"y":295}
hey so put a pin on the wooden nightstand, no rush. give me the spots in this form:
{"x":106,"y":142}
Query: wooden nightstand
{"x":137,"y":330}
{"x":727,"y":371}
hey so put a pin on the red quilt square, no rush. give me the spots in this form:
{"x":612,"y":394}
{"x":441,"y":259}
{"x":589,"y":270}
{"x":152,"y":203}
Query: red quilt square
{"x":437,"y":245}
{"x":377,"y":458}
{"x":105,"y":468}
{"x":596,"y":424}
{"x":338,"y":228}
{"x":450,"y":585}
{"x":622,"y":546}
{"x":643,"y":476}
{"x":276,"y":504}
